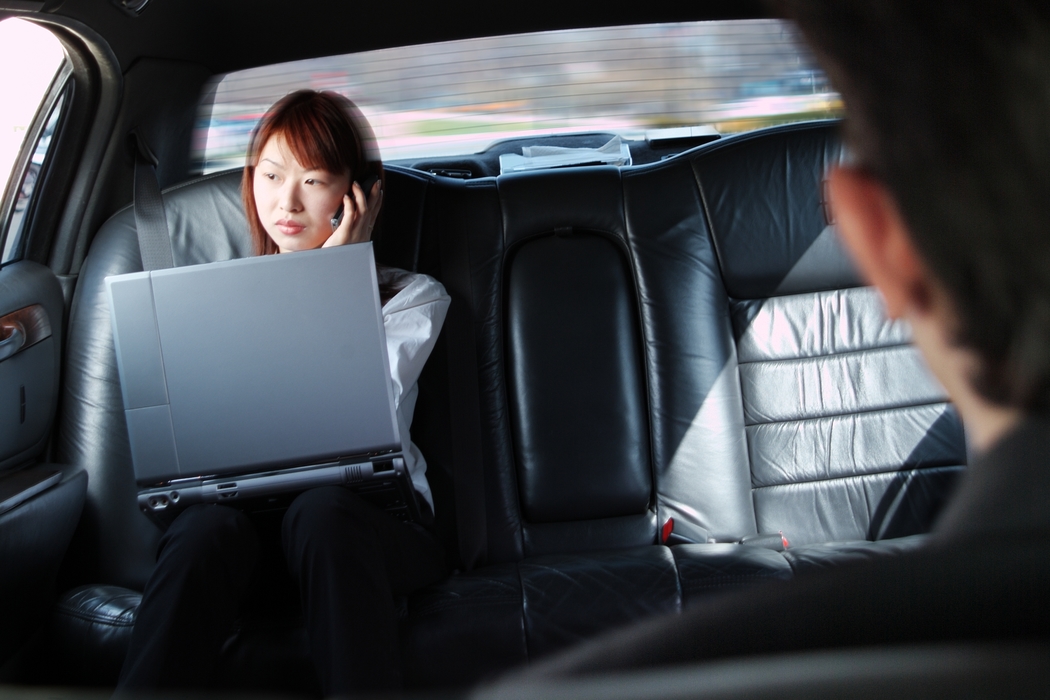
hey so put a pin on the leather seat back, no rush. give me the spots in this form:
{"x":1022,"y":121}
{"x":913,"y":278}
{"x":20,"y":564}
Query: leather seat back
{"x":849,"y":435}
{"x":114,"y":542}
{"x":575,"y":366}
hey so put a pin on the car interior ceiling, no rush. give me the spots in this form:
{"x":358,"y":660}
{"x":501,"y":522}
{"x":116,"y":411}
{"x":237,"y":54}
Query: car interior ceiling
{"x":237,"y":34}
{"x":679,"y":260}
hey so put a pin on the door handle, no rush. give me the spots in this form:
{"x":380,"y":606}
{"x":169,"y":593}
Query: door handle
{"x":12,"y":339}
{"x":22,"y":329}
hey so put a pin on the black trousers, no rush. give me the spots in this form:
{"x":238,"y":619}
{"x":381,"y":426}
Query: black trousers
{"x":348,"y":557}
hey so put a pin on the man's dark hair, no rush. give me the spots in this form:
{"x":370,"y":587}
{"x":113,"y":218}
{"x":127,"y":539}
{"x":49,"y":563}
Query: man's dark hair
{"x":948,"y":105}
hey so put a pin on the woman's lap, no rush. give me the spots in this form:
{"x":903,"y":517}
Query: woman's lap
{"x":205,"y":561}
{"x":332,"y":517}
{"x":348,"y":558}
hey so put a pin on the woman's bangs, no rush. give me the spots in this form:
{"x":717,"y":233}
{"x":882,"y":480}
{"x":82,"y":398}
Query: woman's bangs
{"x":312,"y":141}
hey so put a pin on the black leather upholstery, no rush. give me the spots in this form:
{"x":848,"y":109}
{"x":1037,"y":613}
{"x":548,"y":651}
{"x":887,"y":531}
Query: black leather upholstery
{"x":700,"y":454}
{"x":94,"y":617}
{"x":113,"y":542}
{"x":850,"y":437}
{"x":465,"y":628}
{"x":642,"y":335}
{"x":764,"y":194}
{"x":577,"y":391}
{"x":704,"y":569}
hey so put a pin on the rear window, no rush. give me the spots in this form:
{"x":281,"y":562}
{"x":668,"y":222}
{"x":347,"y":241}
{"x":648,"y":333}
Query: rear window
{"x":639,"y":82}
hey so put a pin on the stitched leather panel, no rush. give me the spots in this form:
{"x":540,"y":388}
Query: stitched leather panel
{"x":840,"y":412}
{"x":705,"y":569}
{"x":577,"y":392}
{"x":813,"y":387}
{"x":571,"y":598}
{"x":810,"y":325}
{"x":464,"y":627}
{"x":698,"y":441}
{"x":89,"y":633}
{"x":588,"y":535}
{"x":829,"y":555}
{"x":763,"y":193}
{"x":581,"y":198}
{"x":855,"y":444}
{"x":870,"y":507}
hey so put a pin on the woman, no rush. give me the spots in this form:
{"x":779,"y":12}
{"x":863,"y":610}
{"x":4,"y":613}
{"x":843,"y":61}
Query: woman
{"x":302,"y":190}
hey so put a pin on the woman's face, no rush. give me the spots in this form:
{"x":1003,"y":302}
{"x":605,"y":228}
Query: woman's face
{"x":295,"y":204}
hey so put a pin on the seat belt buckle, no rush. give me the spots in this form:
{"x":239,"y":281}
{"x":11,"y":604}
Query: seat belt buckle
{"x":776,"y":541}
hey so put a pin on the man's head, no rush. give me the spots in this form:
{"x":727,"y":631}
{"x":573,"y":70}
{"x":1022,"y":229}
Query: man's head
{"x":948,"y":125}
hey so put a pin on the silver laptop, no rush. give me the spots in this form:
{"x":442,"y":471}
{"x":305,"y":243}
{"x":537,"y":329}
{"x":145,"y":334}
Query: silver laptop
{"x":249,"y":379}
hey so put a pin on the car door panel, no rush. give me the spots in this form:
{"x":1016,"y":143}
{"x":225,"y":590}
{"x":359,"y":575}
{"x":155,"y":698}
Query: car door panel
{"x":31,"y":310}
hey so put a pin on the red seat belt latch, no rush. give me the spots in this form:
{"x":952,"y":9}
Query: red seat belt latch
{"x":666,"y":530}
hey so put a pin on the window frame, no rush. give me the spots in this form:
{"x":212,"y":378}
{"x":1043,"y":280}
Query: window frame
{"x":60,"y":90}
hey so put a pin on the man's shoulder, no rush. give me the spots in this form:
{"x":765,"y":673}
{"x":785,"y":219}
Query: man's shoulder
{"x":1005,"y":492}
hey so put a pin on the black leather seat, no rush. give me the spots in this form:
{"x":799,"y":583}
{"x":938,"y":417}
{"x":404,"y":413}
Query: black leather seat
{"x":682,"y":341}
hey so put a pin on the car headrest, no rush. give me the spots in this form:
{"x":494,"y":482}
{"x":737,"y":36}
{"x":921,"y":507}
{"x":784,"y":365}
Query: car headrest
{"x":765,"y":195}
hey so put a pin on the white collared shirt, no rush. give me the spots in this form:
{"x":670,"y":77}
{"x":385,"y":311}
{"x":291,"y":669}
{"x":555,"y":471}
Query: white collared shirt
{"x":412,"y":320}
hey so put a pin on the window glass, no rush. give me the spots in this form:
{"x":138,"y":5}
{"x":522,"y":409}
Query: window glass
{"x":30,"y":58}
{"x":27,"y":186}
{"x":459,"y":97}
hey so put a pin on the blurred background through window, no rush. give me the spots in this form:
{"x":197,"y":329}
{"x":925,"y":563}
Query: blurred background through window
{"x":459,"y":97}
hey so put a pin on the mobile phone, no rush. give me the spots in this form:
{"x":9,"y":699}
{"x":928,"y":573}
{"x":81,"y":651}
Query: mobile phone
{"x":366,"y":187}
{"x":367,"y":183}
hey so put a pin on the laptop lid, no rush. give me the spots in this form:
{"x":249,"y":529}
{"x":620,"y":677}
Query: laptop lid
{"x":253,"y":364}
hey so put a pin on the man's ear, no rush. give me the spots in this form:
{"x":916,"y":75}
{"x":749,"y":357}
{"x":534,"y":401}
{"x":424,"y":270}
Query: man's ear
{"x":871,"y":228}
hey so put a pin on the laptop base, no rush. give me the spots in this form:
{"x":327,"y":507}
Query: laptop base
{"x":385,"y":484}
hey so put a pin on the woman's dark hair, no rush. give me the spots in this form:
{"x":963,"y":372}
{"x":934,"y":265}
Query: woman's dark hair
{"x":948,"y":105}
{"x":323,"y":130}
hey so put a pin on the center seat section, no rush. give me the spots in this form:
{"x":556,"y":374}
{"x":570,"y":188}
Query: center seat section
{"x":586,"y":362}
{"x":565,"y":413}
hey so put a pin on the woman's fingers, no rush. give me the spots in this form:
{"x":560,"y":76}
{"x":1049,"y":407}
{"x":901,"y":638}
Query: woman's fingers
{"x":366,"y":210}
{"x":359,"y":216}
{"x":360,"y":232}
{"x":342,"y":233}
{"x":375,"y":201}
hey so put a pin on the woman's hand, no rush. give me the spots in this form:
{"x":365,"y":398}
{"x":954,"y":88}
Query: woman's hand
{"x":359,"y":216}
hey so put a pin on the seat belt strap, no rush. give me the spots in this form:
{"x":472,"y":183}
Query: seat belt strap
{"x":465,"y":417}
{"x":150,"y":221}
